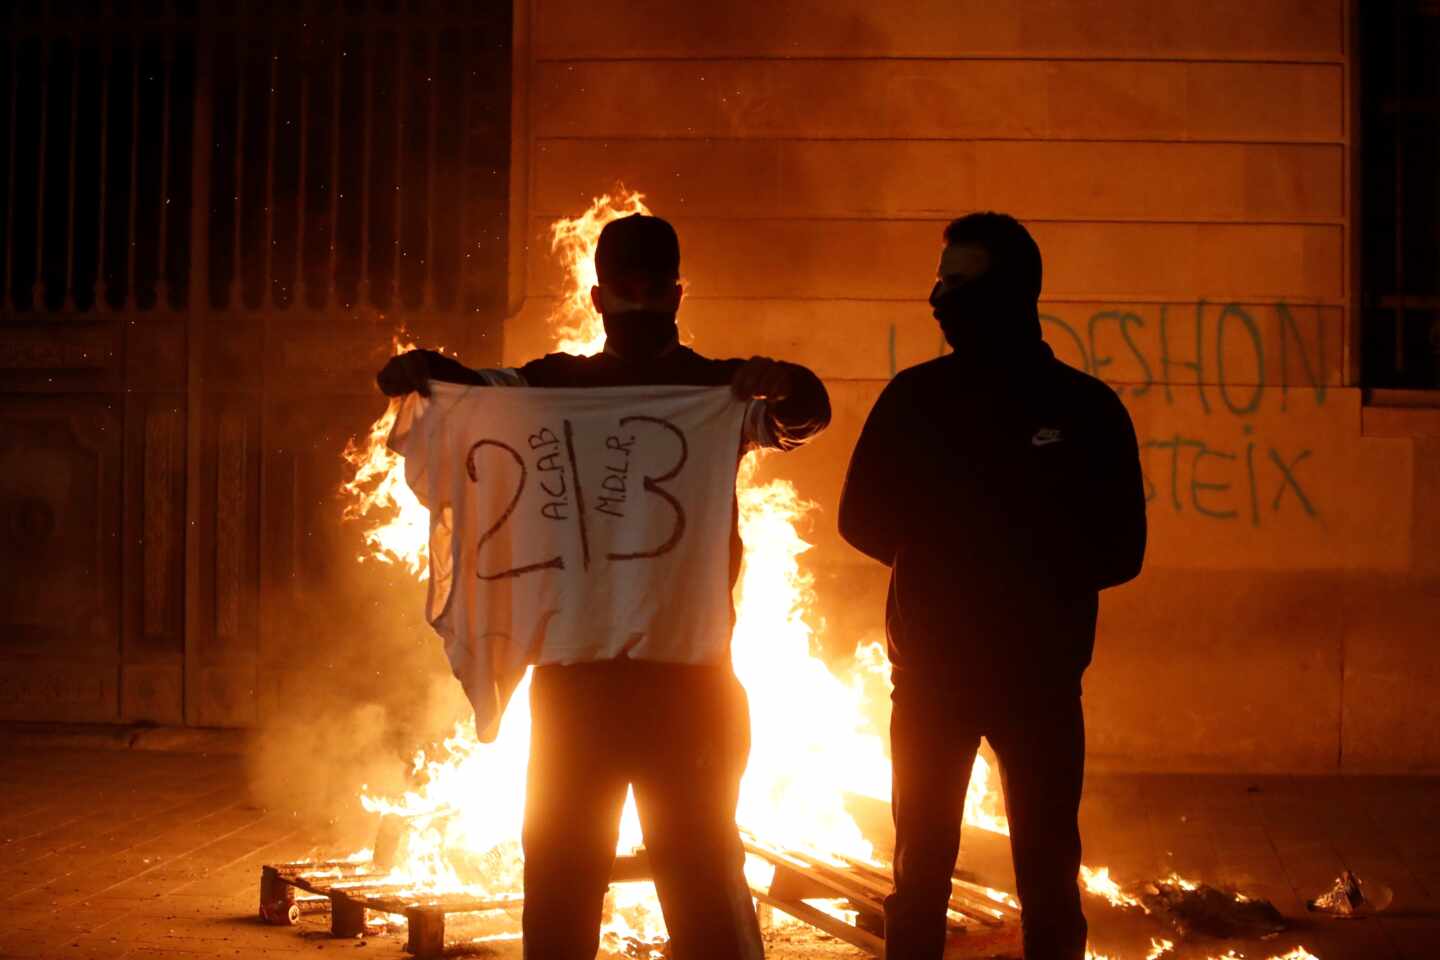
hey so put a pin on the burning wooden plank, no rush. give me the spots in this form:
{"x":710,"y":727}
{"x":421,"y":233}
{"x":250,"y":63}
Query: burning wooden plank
{"x":350,"y":891}
{"x":981,"y":925}
{"x":985,"y":927}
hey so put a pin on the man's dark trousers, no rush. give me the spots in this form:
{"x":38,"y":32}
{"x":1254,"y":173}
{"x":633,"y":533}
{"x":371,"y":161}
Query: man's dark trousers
{"x":1039,"y":740}
{"x":681,"y":736}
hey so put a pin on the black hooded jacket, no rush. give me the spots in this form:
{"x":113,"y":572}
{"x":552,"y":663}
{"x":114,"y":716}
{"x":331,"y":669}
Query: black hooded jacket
{"x":1004,"y":492}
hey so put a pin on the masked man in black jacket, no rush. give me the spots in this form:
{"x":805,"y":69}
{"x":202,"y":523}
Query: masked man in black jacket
{"x":1003,"y":489}
{"x":679,"y":733}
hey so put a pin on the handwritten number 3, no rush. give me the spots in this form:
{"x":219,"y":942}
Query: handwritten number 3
{"x":554,"y":563}
{"x":652,"y":485}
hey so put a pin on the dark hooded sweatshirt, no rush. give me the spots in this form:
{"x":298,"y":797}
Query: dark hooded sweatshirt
{"x":1003,"y":489}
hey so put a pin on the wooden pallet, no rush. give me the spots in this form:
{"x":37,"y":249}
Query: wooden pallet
{"x":350,"y":891}
{"x":980,"y":926}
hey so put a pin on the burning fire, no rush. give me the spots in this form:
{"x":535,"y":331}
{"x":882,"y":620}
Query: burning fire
{"x":1163,"y":948}
{"x":818,"y":736}
{"x":576,"y":326}
{"x":1098,"y":882}
{"x":378,"y":486}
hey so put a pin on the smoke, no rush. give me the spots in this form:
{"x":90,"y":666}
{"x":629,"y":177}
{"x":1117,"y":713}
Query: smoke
{"x":363,"y":684}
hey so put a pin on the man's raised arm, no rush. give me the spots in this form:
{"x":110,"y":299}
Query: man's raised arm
{"x":797,"y":404}
{"x":412,"y":371}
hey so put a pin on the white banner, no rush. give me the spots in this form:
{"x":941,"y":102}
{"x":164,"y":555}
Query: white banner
{"x":570,"y":525}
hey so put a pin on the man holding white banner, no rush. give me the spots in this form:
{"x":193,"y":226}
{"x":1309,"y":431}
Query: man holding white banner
{"x":593,"y":533}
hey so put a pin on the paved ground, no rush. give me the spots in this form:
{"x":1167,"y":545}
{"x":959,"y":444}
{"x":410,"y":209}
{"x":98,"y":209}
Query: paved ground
{"x":131,"y":854}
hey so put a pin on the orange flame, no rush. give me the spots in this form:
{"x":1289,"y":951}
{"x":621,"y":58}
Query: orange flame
{"x":1159,"y":948}
{"x":1163,"y":948}
{"x":577,"y":328}
{"x":378,"y":487}
{"x":1099,"y":882}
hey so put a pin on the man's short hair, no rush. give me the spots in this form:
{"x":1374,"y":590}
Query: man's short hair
{"x":638,"y":248}
{"x":1014,"y":255}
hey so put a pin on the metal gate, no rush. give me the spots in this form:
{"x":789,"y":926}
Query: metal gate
{"x":214,"y":217}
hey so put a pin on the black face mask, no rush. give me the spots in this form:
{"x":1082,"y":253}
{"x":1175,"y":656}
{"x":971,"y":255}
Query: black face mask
{"x":983,"y":316}
{"x":640,"y":335}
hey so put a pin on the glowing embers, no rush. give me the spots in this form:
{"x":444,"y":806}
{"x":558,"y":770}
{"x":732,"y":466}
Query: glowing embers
{"x":1099,"y":883}
{"x":1196,"y":912}
{"x":1192,"y":909}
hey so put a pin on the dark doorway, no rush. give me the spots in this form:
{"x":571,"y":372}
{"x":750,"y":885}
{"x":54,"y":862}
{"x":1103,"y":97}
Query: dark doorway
{"x":213,"y":216}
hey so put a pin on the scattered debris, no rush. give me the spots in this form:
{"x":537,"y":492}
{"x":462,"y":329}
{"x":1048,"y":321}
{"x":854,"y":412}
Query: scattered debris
{"x":1349,"y":896}
{"x":1200,"y":910}
{"x":637,"y":949}
{"x":1343,"y":899}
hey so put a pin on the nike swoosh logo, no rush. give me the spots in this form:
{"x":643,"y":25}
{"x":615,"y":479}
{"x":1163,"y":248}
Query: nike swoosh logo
{"x":1043,"y":438}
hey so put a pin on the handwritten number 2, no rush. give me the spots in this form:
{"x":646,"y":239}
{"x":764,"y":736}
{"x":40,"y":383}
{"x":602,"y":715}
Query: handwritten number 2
{"x":554,"y":563}
{"x":652,"y":485}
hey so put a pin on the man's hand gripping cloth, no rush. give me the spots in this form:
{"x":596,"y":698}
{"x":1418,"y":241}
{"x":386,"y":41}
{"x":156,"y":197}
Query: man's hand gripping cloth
{"x":571,"y":525}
